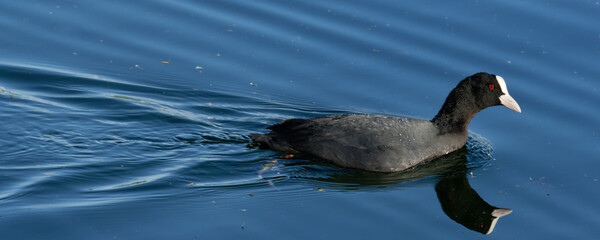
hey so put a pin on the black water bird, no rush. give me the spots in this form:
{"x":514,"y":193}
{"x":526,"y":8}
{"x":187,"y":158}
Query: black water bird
{"x":386,"y":143}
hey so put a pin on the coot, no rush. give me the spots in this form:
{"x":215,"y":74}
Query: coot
{"x":386,"y":143}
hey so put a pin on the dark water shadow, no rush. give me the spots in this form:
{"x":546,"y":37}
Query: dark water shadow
{"x":459,"y":201}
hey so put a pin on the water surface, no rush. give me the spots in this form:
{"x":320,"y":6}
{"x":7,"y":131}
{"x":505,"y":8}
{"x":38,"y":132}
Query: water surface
{"x":128,"y":120}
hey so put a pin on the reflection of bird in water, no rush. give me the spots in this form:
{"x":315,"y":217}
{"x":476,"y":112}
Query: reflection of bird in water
{"x":462,"y":204}
{"x":458,"y":199}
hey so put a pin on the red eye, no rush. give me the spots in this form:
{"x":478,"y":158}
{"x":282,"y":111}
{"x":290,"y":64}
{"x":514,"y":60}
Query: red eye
{"x":491,"y":86}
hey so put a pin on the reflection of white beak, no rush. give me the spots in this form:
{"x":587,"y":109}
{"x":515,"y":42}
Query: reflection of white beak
{"x":500,"y":212}
{"x":509,"y":102}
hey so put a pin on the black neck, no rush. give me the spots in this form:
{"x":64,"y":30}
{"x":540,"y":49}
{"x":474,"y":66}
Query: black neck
{"x":457,"y":112}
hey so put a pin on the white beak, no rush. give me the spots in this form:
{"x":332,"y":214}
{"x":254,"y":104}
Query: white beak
{"x":509,"y":102}
{"x":506,"y":99}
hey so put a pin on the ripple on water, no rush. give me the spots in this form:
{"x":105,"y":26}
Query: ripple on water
{"x":136,"y":142}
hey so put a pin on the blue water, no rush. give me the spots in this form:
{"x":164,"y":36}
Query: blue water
{"x":128,"y":120}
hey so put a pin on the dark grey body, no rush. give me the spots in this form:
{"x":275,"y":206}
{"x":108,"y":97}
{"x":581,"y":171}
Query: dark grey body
{"x":377,"y":143}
